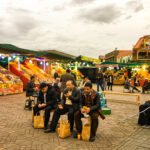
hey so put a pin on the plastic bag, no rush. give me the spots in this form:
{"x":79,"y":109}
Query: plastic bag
{"x":86,"y":129}
{"x":64,"y":129}
{"x":38,"y":121}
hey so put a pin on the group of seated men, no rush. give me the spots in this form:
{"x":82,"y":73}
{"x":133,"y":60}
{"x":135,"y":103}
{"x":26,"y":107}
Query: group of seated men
{"x":128,"y":85}
{"x":72,"y":102}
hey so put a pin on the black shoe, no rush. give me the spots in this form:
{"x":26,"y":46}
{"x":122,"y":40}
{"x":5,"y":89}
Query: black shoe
{"x":92,"y":139}
{"x":49,"y":131}
{"x":46,"y":128}
{"x":75,"y":134}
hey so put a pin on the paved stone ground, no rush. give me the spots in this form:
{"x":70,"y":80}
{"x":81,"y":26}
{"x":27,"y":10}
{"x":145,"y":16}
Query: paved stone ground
{"x":118,"y":132}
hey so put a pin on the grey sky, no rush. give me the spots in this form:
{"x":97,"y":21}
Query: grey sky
{"x":86,"y":27}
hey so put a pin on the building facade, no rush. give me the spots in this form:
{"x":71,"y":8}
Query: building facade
{"x":119,"y":56}
{"x":101,"y":58}
{"x":141,"y":50}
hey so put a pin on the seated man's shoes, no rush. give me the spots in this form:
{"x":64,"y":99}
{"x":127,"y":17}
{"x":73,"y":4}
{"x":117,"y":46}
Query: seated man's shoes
{"x":92,"y":139}
{"x":46,"y":128}
{"x":74,"y":134}
{"x":49,"y":131}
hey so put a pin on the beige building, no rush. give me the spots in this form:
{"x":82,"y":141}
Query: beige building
{"x":141,"y":50}
{"x":119,"y":56}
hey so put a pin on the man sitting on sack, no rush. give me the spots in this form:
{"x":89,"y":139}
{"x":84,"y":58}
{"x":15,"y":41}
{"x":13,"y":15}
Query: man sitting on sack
{"x":90,"y":100}
{"x":69,"y":104}
{"x":31,"y":89}
{"x":47,"y":100}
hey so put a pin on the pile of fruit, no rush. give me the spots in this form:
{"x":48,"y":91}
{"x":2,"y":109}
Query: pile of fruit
{"x":9,"y":83}
{"x":7,"y":77}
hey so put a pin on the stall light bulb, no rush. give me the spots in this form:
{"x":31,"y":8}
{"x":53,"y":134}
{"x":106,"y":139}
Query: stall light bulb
{"x":9,"y":58}
{"x":30,"y":61}
{"x":41,"y":62}
{"x":47,"y":64}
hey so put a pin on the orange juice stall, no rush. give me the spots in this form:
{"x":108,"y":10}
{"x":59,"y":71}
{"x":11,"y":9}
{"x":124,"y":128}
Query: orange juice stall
{"x":26,"y":70}
{"x":9,"y":83}
{"x":42,"y":75}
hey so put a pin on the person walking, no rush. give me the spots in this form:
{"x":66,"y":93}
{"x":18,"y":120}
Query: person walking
{"x":100,"y":79}
{"x":110,"y":81}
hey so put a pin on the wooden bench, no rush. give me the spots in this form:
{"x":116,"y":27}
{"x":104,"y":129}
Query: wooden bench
{"x":137,"y":102}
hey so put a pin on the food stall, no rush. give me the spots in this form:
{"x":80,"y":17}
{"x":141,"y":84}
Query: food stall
{"x":9,"y":83}
{"x":40,"y":74}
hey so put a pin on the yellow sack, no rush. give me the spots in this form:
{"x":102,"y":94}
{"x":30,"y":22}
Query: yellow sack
{"x":38,"y":122}
{"x":86,"y":129}
{"x":64,"y":129}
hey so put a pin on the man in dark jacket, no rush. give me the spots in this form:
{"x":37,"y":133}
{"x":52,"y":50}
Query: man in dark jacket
{"x":69,"y":103}
{"x":31,"y":87}
{"x":91,"y":100}
{"x":66,"y":77}
{"x":47,"y":100}
{"x":100,"y":78}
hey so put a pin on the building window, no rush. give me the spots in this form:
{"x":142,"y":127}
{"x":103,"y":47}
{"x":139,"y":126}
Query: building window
{"x":142,"y":55}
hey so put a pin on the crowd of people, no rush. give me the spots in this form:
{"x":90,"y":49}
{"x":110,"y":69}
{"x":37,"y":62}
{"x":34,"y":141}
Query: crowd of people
{"x":105,"y":82}
{"x":65,"y":96}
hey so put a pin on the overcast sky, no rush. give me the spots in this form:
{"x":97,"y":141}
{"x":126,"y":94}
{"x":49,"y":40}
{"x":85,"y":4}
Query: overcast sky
{"x":79,"y":27}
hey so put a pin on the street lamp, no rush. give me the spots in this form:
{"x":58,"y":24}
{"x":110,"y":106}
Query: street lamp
{"x":18,"y":59}
{"x":9,"y":59}
{"x":44,"y":65}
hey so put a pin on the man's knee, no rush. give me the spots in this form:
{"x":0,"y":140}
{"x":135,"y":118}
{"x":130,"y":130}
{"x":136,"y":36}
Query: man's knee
{"x":70,"y":114}
{"x":57,"y":111}
{"x":94,"y":116}
{"x":47,"y":111}
{"x":77,"y":113}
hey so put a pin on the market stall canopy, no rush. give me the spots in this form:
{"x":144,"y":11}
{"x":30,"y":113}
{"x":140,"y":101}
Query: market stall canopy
{"x":8,"y":48}
{"x":115,"y":64}
{"x":109,"y":63}
{"x":88,"y":59}
{"x":135,"y":64}
{"x":61,"y":56}
{"x":132,"y":64}
{"x":50,"y":54}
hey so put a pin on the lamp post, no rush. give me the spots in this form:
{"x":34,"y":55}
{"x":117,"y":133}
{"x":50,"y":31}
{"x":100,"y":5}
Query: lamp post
{"x":18,"y":63}
{"x":9,"y":58}
{"x":44,"y":65}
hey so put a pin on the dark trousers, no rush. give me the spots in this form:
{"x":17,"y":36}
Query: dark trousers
{"x":94,"y":122}
{"x":100,"y":84}
{"x":48,"y":109}
{"x":134,"y":88}
{"x":145,"y":88}
{"x":110,"y":86}
{"x":58,"y":112}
